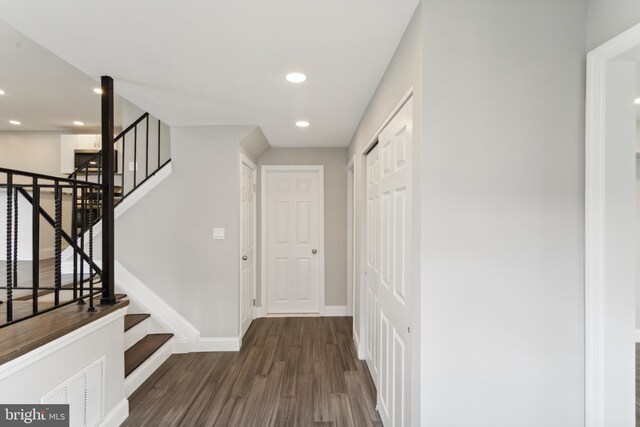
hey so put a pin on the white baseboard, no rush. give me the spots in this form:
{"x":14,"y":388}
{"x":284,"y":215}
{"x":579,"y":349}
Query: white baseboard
{"x":216,"y":344}
{"x":356,"y":342}
{"x":168,"y":318}
{"x":637,"y":335}
{"x":144,"y":371}
{"x":334,"y":311}
{"x":326,"y":311}
{"x":117,"y":415}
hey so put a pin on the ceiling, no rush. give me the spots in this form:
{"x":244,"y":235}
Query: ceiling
{"x":223,"y":62}
{"x":42,"y":91}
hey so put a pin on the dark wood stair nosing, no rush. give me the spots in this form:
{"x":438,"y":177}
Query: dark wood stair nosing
{"x":138,"y":353}
{"x":131,"y":320}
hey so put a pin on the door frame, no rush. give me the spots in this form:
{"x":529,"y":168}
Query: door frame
{"x":245,"y":160}
{"x":264,"y":171}
{"x":607,"y":309}
{"x":351,"y":249}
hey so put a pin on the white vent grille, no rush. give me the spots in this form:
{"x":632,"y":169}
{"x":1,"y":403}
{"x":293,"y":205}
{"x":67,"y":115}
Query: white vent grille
{"x":84,"y":392}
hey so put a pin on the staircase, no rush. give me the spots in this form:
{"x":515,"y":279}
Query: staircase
{"x":144,"y":351}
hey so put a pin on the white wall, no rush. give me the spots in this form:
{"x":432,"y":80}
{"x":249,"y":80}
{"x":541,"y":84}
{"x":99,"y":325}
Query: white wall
{"x":31,"y":151}
{"x":334,"y":161}
{"x":503,"y":182}
{"x":608,"y":18}
{"x":165,"y":239}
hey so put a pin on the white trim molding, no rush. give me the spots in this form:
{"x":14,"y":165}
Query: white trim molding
{"x":606,"y":324}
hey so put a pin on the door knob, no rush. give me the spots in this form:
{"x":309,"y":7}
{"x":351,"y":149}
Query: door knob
{"x":314,"y":251}
{"x":244,"y":257}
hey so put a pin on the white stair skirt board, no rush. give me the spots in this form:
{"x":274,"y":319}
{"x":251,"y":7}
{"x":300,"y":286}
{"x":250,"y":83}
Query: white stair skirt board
{"x":168,"y":318}
{"x":117,"y":415}
{"x":148,"y":367}
{"x":125,"y":205}
{"x":136,"y":333}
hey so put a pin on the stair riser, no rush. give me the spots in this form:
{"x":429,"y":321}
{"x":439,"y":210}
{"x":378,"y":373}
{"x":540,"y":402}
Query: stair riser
{"x":136,"y":333}
{"x":148,"y":367}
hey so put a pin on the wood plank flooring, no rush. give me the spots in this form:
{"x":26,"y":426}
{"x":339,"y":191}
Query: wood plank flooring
{"x":293,"y":372}
{"x":25,"y":336}
{"x":22,"y":306}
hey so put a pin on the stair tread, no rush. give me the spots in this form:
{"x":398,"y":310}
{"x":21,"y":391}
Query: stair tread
{"x":120,"y":296}
{"x":131,"y":320}
{"x":142,"y":350}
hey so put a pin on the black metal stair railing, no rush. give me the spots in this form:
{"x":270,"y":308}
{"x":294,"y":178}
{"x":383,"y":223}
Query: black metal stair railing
{"x":28,"y":294}
{"x":143,"y":143}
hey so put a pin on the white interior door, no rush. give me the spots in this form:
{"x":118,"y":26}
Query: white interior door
{"x":372,"y":269}
{"x":388,"y":243}
{"x":247,"y":244}
{"x":294,"y":238}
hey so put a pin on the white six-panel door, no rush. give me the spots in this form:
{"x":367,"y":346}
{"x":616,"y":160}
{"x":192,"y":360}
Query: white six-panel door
{"x":247,"y":243}
{"x":294,"y":224}
{"x":387,"y":244}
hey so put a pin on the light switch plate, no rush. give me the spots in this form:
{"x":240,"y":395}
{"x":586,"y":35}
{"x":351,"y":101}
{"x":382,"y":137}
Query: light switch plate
{"x":218,"y":234}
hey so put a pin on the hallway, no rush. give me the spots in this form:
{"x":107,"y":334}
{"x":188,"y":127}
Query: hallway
{"x":290,"y":372}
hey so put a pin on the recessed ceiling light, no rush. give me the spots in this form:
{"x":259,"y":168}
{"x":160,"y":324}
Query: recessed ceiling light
{"x":637,"y":101}
{"x":78,"y":123}
{"x":302,"y":124}
{"x":296,"y":77}
{"x":1,"y":92}
{"x":15,"y":122}
{"x":98,"y":91}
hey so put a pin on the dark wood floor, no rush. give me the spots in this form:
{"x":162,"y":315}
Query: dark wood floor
{"x":22,"y":305}
{"x":290,"y":372}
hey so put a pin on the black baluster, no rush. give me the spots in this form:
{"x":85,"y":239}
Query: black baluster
{"x":74,"y":236}
{"x":91,"y":202}
{"x":124,"y":152}
{"x":9,"y":248}
{"x":83,"y":197}
{"x":135,"y":157}
{"x":146,"y":162}
{"x":15,"y":238}
{"x":158,"y":144}
{"x":58,"y":242}
{"x":35,"y":244}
